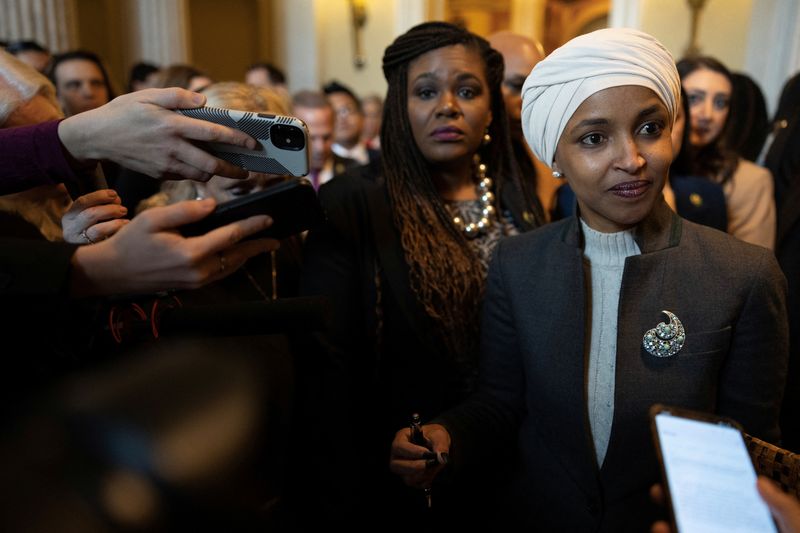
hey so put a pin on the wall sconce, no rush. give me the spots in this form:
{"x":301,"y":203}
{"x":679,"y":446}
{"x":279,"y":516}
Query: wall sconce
{"x":696,"y":6}
{"x":358,"y":10}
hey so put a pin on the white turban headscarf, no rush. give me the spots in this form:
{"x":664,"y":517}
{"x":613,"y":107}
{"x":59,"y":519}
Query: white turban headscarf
{"x":612,"y":57}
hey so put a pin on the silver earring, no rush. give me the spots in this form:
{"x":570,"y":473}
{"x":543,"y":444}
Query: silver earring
{"x":557,"y":175}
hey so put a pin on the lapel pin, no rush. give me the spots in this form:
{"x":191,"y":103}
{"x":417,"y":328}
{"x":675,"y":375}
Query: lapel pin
{"x":665,"y":340}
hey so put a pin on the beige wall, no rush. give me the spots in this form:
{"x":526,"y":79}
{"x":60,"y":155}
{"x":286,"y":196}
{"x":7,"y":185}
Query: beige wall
{"x":723,"y":31}
{"x":335,"y":43}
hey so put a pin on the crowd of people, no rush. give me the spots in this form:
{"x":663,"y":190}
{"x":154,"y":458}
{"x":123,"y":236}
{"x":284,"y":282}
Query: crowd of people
{"x":506,"y":231}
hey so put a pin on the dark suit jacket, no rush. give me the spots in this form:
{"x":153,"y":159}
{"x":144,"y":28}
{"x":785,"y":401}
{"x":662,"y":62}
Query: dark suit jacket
{"x":380,"y":360}
{"x":730,"y":297}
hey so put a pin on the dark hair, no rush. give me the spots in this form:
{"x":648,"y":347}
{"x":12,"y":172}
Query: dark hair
{"x":84,"y":55}
{"x":715,"y":161}
{"x":15,"y":47}
{"x":783,"y":157}
{"x":177,"y":76}
{"x":139,"y":72}
{"x":333,"y":87}
{"x":682,"y":162}
{"x":445,"y":274}
{"x":275,"y":75}
{"x":748,"y":120}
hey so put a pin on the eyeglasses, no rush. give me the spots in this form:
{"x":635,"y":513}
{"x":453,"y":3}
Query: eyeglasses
{"x":346,"y":111}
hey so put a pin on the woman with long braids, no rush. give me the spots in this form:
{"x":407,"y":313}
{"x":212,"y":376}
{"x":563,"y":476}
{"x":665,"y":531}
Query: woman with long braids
{"x":403,"y":260}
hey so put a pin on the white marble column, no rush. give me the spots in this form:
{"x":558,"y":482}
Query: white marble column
{"x":51,"y":23}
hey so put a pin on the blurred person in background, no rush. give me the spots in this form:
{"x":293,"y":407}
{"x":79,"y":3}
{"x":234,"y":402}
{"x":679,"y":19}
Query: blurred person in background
{"x":81,"y":81}
{"x":748,"y":187}
{"x":749,"y":122}
{"x":349,"y":123}
{"x":783,"y":159}
{"x":31,"y":53}
{"x":521,"y":53}
{"x":142,"y":76}
{"x":316,"y":111}
{"x":694,"y":198}
{"x":373,"y":115}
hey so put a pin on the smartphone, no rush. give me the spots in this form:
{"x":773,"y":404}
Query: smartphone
{"x":282,"y":141}
{"x":710,"y":481}
{"x":292,"y":204}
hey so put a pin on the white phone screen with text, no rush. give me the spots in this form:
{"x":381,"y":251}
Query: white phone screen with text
{"x":712,"y":482}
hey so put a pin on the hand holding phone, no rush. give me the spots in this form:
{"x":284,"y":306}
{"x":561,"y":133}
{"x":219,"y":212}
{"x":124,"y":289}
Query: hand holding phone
{"x":292,"y":205}
{"x":282,"y":141}
{"x":709,"y":477}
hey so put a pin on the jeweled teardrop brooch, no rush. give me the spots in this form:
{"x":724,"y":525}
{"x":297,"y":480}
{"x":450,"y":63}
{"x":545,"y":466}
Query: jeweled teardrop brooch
{"x":665,"y":340}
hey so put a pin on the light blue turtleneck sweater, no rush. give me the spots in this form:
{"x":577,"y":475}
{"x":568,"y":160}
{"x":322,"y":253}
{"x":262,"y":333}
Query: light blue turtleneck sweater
{"x":604,"y":257}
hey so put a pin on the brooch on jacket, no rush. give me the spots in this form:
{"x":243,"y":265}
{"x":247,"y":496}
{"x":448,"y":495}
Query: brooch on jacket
{"x":665,"y":340}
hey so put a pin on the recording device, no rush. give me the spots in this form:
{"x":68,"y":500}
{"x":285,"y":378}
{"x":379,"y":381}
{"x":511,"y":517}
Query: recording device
{"x":709,"y":477}
{"x":282,"y":141}
{"x":292,"y":204}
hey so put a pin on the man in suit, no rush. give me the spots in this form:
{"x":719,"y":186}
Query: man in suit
{"x":316,"y":111}
{"x":349,"y":121}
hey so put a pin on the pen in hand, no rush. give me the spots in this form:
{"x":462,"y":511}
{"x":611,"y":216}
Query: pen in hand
{"x":419,"y":439}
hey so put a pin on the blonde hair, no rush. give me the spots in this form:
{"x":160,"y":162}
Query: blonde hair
{"x":244,"y":97}
{"x":19,"y":83}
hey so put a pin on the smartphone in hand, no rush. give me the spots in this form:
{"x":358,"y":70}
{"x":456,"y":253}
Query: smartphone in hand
{"x":292,"y":204}
{"x":710,"y":481}
{"x":282,"y":141}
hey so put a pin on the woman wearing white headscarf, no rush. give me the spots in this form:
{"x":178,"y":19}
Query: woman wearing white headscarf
{"x":573,"y":351}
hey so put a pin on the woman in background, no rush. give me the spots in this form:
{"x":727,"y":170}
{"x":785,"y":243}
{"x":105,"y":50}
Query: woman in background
{"x":748,"y":188}
{"x":694,"y":198}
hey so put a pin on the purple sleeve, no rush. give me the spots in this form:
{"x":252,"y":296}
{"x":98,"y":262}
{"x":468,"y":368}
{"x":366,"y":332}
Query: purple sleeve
{"x":33,"y":156}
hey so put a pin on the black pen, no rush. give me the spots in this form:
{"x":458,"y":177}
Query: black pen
{"x":419,"y":439}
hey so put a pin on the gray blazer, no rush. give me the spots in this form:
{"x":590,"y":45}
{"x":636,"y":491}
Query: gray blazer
{"x":730,"y":297}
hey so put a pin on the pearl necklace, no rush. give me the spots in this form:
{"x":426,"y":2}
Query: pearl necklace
{"x":486,"y":197}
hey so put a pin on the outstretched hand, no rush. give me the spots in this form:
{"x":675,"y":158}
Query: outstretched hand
{"x":94,"y":217}
{"x":784,"y":507}
{"x":140,"y":131}
{"x":419,"y":465}
{"x":149,"y":255}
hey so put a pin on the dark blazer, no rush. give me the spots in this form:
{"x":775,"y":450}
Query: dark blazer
{"x":380,"y":360}
{"x":730,"y":297}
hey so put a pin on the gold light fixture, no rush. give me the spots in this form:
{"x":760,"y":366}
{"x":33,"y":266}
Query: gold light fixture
{"x":358,"y":10}
{"x":696,"y":6}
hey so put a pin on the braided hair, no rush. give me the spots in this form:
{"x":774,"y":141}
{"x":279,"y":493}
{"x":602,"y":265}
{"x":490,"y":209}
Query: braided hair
{"x":446,"y":275}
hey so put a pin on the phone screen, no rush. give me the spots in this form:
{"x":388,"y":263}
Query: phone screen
{"x":712,"y":482}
